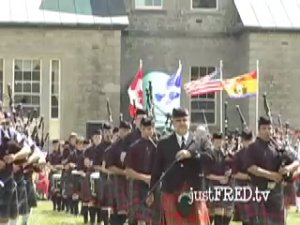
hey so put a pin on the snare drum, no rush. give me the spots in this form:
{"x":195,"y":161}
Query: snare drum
{"x":94,"y":179}
{"x":56,"y":181}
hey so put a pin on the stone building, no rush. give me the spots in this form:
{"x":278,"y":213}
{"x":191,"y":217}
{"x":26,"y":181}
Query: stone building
{"x":63,"y":58}
{"x":203,"y":32}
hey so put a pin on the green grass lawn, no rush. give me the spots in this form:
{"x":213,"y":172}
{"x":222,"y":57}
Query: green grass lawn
{"x":43,"y":215}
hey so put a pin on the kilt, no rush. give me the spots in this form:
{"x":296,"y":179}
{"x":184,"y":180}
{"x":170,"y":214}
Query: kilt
{"x":66,"y":184}
{"x":31,"y":195}
{"x":137,"y":193}
{"x":289,"y":195}
{"x":76,"y":180}
{"x":199,"y":216}
{"x":104,"y":191}
{"x":85,"y":190}
{"x":8,"y":199}
{"x":270,"y":212}
{"x":297,"y":184}
{"x":227,"y":205}
{"x":23,"y":207}
{"x":240,"y":213}
{"x":120,"y":193}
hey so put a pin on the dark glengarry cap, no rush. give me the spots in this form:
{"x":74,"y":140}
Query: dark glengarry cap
{"x":125,"y":125}
{"x":147,"y":122}
{"x":217,"y":136}
{"x":140,"y":112}
{"x":247,"y":134}
{"x":264,"y":121}
{"x":180,"y":112}
{"x":106,"y":126}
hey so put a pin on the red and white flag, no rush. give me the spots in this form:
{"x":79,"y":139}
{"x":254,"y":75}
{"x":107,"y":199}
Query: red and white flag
{"x":204,"y":85}
{"x":135,"y":92}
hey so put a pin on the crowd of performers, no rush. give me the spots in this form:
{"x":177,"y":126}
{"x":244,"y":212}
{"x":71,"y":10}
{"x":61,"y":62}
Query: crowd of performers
{"x":20,"y":158}
{"x":132,"y":174}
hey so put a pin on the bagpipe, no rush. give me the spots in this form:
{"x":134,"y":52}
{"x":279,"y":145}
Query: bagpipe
{"x":15,"y":123}
{"x":283,"y":148}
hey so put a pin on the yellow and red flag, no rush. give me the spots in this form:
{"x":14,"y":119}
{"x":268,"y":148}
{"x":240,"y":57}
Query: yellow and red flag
{"x":241,"y":86}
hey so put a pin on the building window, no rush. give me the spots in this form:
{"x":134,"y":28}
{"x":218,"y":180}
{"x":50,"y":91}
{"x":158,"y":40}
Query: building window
{"x":1,"y":78}
{"x":204,"y":4}
{"x":27,"y":77}
{"x":203,"y":103}
{"x":55,"y":78}
{"x":148,"y":4}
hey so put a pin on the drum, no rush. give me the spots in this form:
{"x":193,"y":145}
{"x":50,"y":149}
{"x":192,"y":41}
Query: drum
{"x":56,"y":181}
{"x":94,"y":179}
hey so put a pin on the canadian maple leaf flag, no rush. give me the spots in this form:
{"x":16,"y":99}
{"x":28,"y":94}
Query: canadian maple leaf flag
{"x":135,"y":92}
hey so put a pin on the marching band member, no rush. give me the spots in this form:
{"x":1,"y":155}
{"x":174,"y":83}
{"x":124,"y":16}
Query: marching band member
{"x":115,"y":165}
{"x":139,"y":163}
{"x":264,"y":163}
{"x":186,"y":157}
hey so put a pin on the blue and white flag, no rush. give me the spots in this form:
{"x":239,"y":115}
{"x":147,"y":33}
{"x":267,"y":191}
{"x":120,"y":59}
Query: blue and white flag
{"x":170,"y":97}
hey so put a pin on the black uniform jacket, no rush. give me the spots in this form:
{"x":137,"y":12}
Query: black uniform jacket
{"x":186,"y":171}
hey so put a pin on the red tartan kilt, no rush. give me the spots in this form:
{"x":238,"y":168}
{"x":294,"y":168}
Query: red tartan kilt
{"x":200,"y":216}
{"x":120,"y":193}
{"x":289,"y":195}
{"x":85,"y":190}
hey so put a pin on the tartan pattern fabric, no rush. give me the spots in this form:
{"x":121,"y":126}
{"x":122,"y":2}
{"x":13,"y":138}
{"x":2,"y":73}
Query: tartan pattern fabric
{"x":105,"y":194}
{"x":297,"y":184}
{"x":85,"y":191}
{"x":289,"y":195}
{"x":23,"y":207}
{"x":200,"y":215}
{"x":120,"y":193}
{"x":258,"y":212}
{"x":227,"y":205}
{"x":66,"y":184}
{"x":8,"y":199}
{"x":31,"y":195}
{"x":137,"y":207}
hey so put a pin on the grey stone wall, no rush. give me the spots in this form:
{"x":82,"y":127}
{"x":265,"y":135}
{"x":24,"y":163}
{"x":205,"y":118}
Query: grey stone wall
{"x":90,"y":69}
{"x":198,"y":38}
{"x":278,"y":54}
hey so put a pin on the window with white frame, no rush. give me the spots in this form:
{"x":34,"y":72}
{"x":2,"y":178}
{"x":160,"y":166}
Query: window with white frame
{"x":27,"y":78}
{"x":204,"y":103}
{"x":55,"y":78}
{"x":148,"y":4}
{"x":1,"y":78}
{"x":204,"y":4}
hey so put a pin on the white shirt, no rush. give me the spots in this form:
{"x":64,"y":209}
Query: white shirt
{"x":179,"y":138}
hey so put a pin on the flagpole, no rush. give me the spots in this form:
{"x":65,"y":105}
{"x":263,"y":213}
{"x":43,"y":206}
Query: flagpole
{"x":257,"y":96}
{"x":221,"y":97}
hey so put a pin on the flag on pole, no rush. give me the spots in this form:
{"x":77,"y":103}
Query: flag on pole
{"x":204,"y":85}
{"x":170,"y":96}
{"x":135,"y":92}
{"x":241,"y":86}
